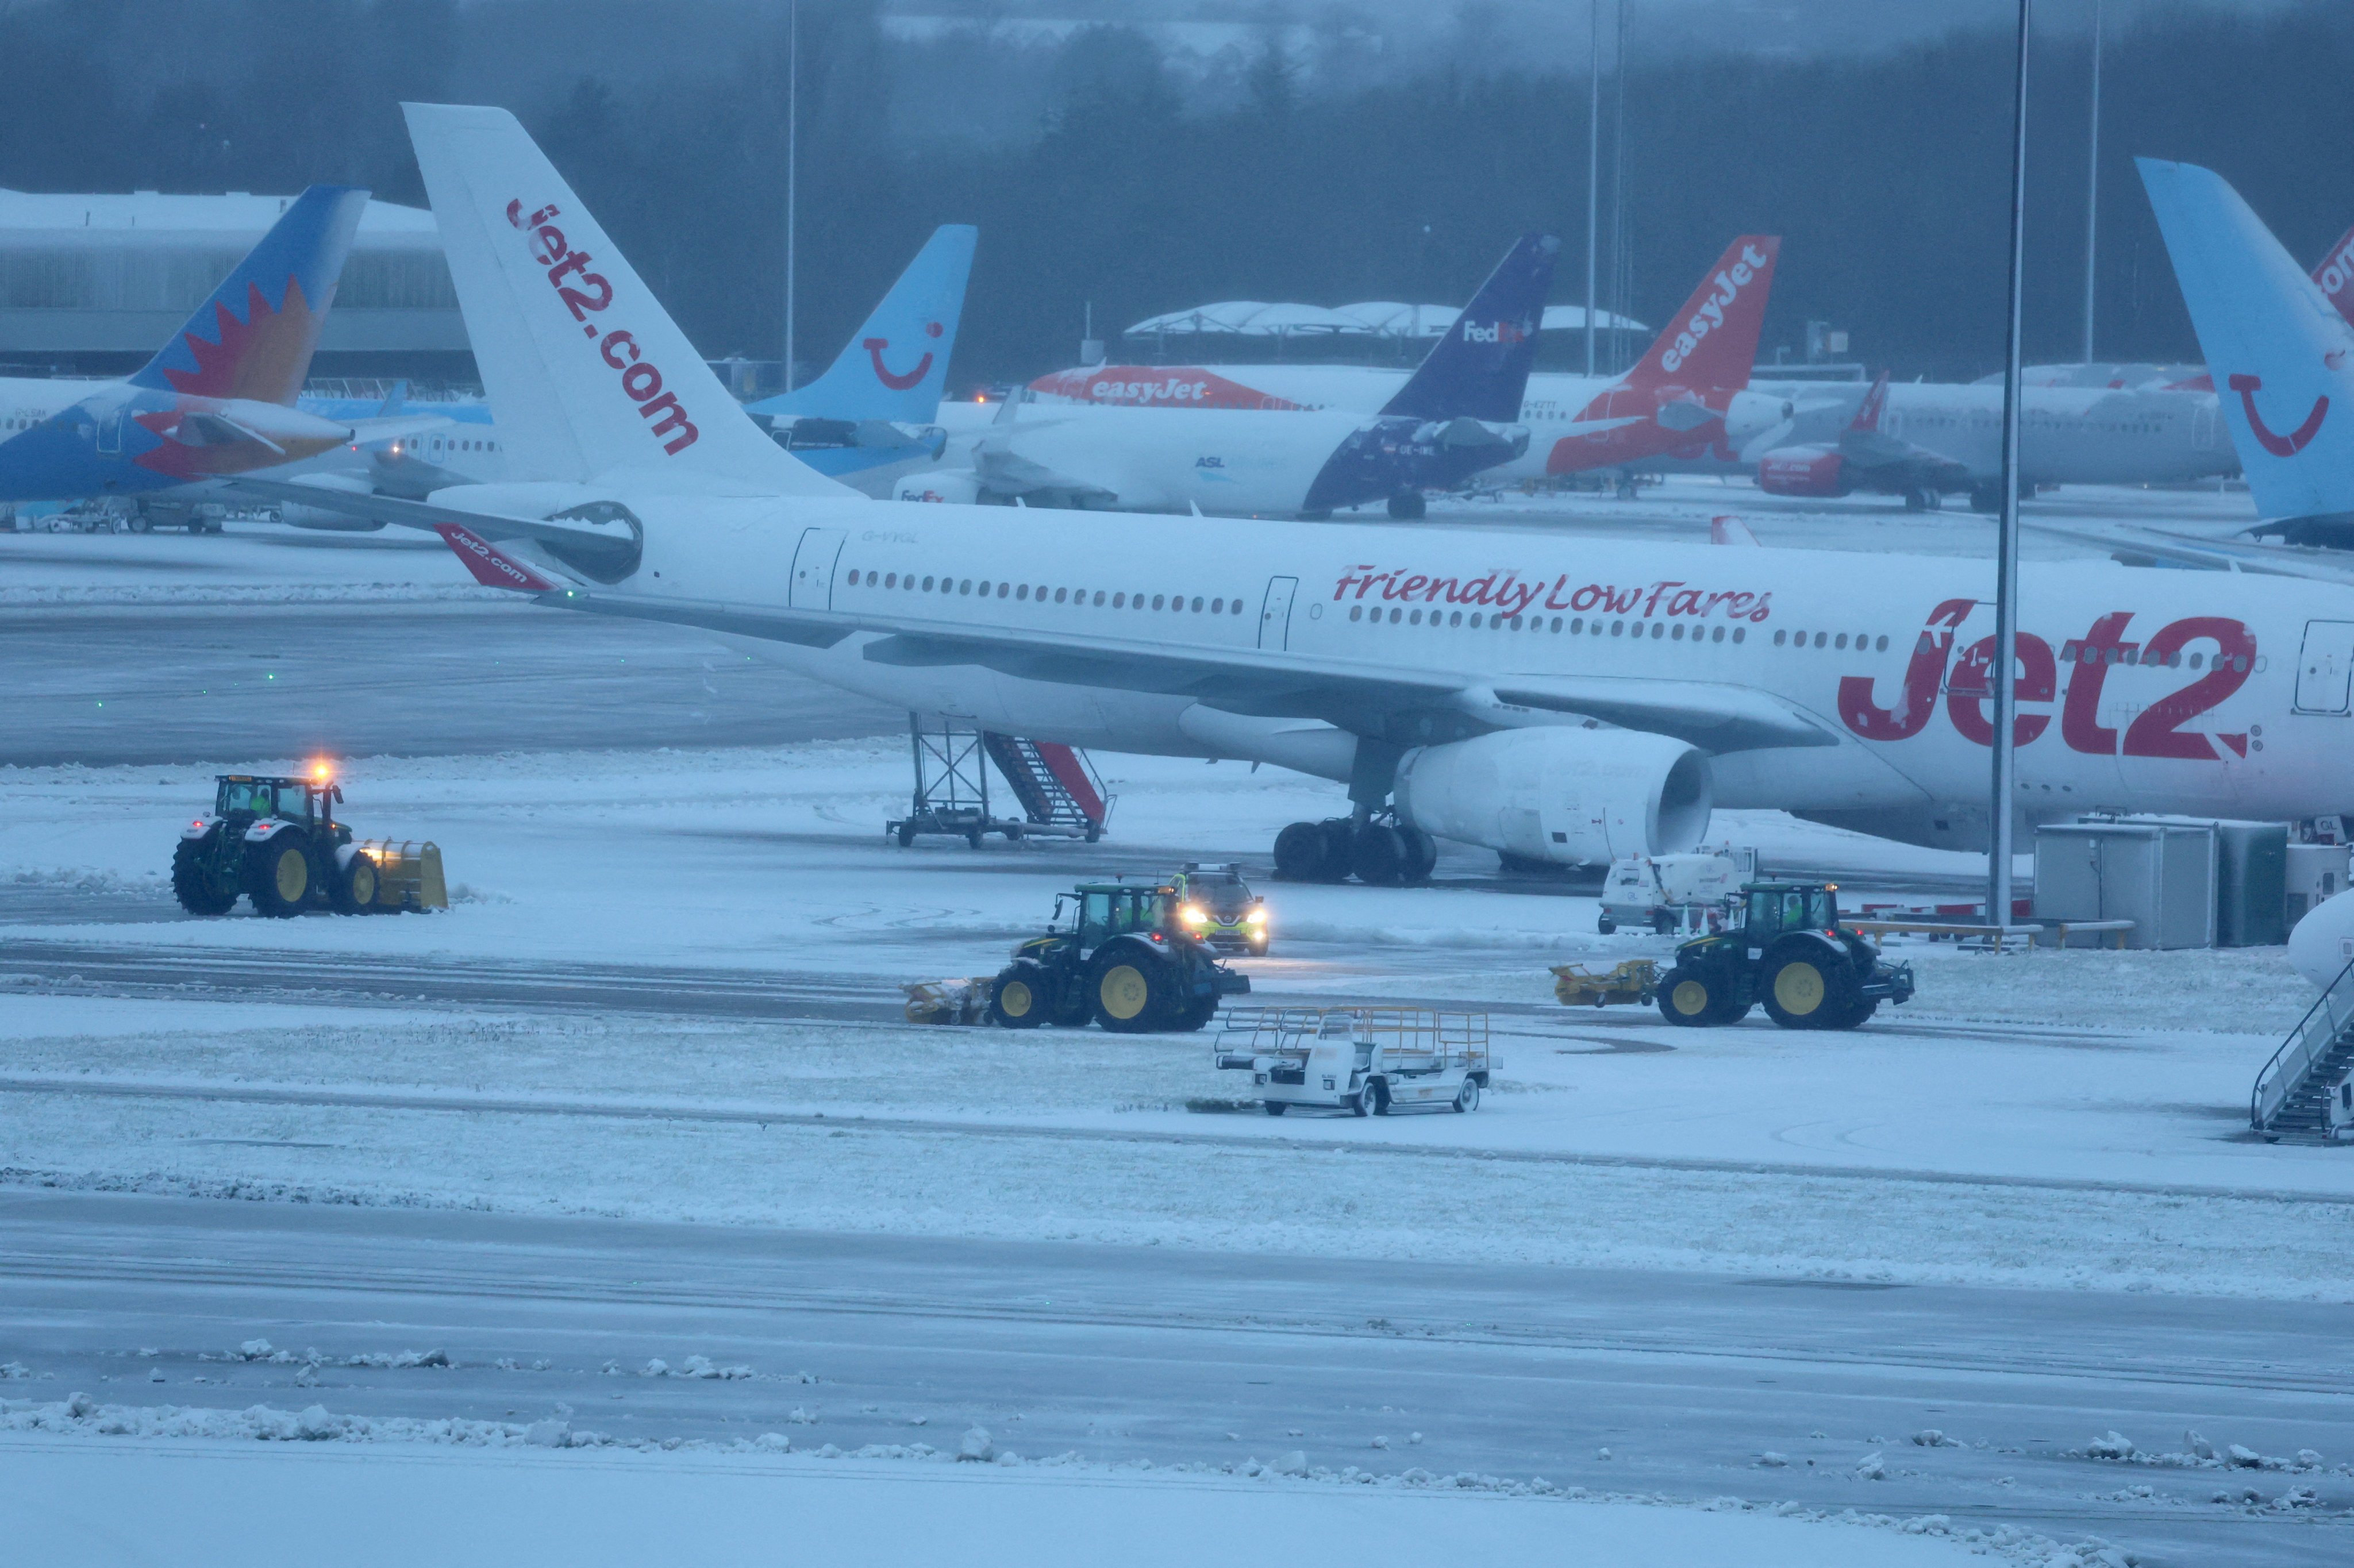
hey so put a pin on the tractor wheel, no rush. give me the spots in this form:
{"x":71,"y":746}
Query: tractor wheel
{"x":1022,"y":996}
{"x":1696,"y":999}
{"x":192,"y":878}
{"x":1421,"y":855}
{"x":1299,"y":852}
{"x":278,"y":875}
{"x":1378,"y":855}
{"x":351,"y":889}
{"x":1197,"y":1014}
{"x":1808,"y":990}
{"x":906,"y":834}
{"x":1129,"y":991}
{"x":1277,"y":1108}
{"x":1858,"y":1015}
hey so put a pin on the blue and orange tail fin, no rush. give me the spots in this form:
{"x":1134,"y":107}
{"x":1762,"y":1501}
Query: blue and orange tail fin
{"x":253,"y":338}
{"x":1481,"y":368}
{"x":896,"y":365}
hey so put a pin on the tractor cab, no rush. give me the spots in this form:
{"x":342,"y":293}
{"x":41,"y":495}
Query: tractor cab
{"x":1100,"y":911}
{"x":243,"y":798}
{"x":1773,"y":909}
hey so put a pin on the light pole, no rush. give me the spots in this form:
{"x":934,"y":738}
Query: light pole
{"x":1593,"y":174}
{"x":2093,"y":184}
{"x":793,"y":167}
{"x":2002,"y":786}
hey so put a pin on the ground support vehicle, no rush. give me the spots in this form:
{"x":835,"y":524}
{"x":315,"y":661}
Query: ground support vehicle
{"x":1668,"y":893}
{"x":1634,"y":980}
{"x":1115,"y":952}
{"x":1366,"y":1061}
{"x":276,"y":842}
{"x":1216,"y":905}
{"x":1786,"y":951}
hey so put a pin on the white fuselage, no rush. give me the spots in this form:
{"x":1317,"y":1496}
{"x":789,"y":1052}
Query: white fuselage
{"x":2188,"y":699}
{"x":1244,"y":462}
{"x":2068,"y":435}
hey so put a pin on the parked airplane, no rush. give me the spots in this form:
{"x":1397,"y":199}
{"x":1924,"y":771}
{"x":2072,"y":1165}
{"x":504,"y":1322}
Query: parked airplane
{"x":1452,"y":417}
{"x":1685,"y":398}
{"x":2279,"y":342}
{"x":873,"y":417}
{"x":1865,"y":457}
{"x":219,"y":398}
{"x":1567,"y":701}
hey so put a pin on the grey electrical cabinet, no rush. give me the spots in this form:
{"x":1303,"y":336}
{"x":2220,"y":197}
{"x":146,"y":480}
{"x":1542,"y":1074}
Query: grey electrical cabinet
{"x":2162,"y":876}
{"x":2251,"y":878}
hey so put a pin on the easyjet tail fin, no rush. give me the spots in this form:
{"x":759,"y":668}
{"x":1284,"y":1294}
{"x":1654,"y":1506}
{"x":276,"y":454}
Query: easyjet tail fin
{"x":1713,"y":341}
{"x":1481,"y":368}
{"x":895,"y":367}
{"x":587,"y":370}
{"x":2282,"y":356}
{"x":252,"y":338}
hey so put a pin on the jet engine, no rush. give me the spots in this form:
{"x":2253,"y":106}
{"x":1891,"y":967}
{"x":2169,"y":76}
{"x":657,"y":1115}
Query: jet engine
{"x":1804,"y":471}
{"x":1574,"y":796}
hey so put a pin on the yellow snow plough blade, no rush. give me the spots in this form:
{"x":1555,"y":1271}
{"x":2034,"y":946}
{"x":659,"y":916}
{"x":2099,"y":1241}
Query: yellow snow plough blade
{"x":407,"y":874}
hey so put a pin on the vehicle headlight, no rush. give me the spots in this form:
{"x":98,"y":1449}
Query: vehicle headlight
{"x":1256,"y":917}
{"x":1192,"y":915}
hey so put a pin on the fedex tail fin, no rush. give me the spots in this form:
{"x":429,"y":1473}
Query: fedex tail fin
{"x":2282,"y":356}
{"x":254,"y":336}
{"x":1481,"y":368}
{"x":2335,"y":274}
{"x":587,"y":370}
{"x":1713,"y":341}
{"x":895,"y":367}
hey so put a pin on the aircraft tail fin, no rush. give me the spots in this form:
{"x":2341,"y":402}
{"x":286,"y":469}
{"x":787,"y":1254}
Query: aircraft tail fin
{"x":253,"y":337}
{"x":587,"y":370}
{"x":2282,"y":356}
{"x":1874,"y":404}
{"x":1481,"y":368}
{"x":2335,"y":274}
{"x":896,"y":365}
{"x":1713,"y":341}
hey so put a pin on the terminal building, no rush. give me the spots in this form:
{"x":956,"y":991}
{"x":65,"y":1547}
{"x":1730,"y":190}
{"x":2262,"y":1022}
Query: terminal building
{"x":94,"y":284}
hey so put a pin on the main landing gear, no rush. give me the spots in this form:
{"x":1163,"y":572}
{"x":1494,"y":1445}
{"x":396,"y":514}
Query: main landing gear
{"x":1379,"y":851}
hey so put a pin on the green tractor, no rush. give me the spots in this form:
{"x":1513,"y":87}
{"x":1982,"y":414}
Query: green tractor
{"x":277,"y":841}
{"x":1786,"y":951}
{"x":1124,"y":959}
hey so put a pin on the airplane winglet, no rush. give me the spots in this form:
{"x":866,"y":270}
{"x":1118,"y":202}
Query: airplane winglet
{"x":492,"y":567}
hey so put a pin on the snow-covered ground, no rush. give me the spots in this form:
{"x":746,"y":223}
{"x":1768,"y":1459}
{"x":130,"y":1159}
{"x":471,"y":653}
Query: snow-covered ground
{"x":2067,"y":1117}
{"x":363,"y":1503}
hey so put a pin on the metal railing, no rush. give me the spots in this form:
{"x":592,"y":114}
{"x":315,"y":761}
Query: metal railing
{"x":1415,"y":1031}
{"x":2315,"y":1033}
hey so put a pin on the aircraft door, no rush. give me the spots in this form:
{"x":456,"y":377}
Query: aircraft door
{"x":813,"y":568}
{"x":2202,"y":428}
{"x":1275,"y":616}
{"x":2324,"y":669}
{"x":110,"y":432}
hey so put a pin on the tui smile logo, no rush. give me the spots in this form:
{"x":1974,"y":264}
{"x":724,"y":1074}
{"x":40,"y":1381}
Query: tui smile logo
{"x":875,"y":348}
{"x":2281,"y":446}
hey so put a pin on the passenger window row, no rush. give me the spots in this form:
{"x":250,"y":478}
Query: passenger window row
{"x":1042,"y":593}
{"x":1577,"y":626}
{"x":1863,"y":640}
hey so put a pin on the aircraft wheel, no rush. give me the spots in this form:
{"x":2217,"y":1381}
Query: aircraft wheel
{"x":1299,"y":852}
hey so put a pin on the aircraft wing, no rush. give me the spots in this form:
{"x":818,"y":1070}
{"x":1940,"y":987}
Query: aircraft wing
{"x":422,"y":514}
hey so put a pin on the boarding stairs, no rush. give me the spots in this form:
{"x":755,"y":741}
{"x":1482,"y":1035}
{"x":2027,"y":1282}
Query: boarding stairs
{"x":1057,"y":786}
{"x":2292,"y":1100}
{"x":1060,"y":794}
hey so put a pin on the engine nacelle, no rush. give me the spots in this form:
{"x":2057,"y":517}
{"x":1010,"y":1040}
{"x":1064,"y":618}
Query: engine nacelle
{"x":956,"y":487}
{"x":1803,"y":471}
{"x":1575,"y":797}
